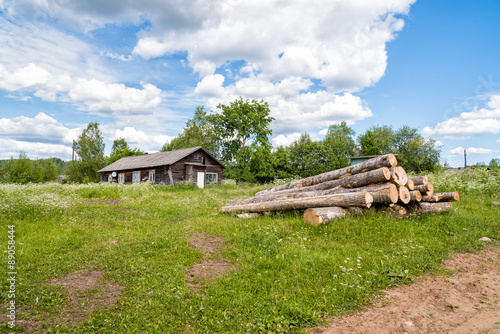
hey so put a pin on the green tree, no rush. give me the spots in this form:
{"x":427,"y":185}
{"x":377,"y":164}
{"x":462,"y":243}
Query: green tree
{"x":338,"y":145}
{"x":19,"y":170}
{"x":281,"y":163}
{"x":90,"y":149}
{"x":243,"y":130}
{"x":121,"y":149}
{"x":414,"y":153}
{"x":199,"y":131}
{"x":494,"y":163}
{"x":377,"y":140}
{"x":306,"y":157}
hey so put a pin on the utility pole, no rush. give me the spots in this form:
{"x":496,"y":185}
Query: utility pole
{"x":465,"y":157}
{"x":73,"y":153}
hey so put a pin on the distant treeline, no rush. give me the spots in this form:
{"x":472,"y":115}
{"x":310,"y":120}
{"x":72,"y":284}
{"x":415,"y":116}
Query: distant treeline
{"x":24,"y":170}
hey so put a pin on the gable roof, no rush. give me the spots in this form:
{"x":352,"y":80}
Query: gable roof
{"x":154,"y":160}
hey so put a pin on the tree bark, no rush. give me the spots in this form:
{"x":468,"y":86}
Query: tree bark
{"x":435,"y":207}
{"x":375,"y":176}
{"x":426,"y":189}
{"x":382,"y":193}
{"x":319,"y":216}
{"x":419,"y":180}
{"x":404,"y":195}
{"x":442,"y":197}
{"x":396,"y":210}
{"x":363,"y":199}
{"x":388,"y":160}
{"x":415,"y":196}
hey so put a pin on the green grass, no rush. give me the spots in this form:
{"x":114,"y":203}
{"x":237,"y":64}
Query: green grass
{"x":288,"y":275}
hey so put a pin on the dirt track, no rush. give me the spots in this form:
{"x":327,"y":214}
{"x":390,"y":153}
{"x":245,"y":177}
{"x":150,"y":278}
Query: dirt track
{"x":465,"y":302}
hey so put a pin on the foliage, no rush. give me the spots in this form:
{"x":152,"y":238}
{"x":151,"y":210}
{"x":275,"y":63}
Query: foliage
{"x":414,"y":153}
{"x":338,"y":145}
{"x":478,"y":181}
{"x":306,"y":157}
{"x":243,"y":130}
{"x":288,"y":276}
{"x":23,"y":170}
{"x":90,"y":149}
{"x":121,"y":149}
{"x":199,"y":131}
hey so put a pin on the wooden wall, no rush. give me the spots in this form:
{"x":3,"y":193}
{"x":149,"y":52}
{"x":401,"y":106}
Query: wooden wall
{"x":183,"y":170}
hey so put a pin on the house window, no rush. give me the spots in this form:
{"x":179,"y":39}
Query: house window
{"x":121,"y":178}
{"x":152,"y":176}
{"x":210,"y":178}
{"x":137,"y":177}
{"x":110,"y":178}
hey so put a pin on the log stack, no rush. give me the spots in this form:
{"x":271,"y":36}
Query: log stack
{"x":377,"y":183}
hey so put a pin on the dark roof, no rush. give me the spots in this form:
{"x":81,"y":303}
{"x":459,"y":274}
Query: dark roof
{"x":153,"y":160}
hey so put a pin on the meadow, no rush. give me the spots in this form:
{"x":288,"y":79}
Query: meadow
{"x":285,"y":276}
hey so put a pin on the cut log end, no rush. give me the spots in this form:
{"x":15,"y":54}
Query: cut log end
{"x":410,"y":185}
{"x":404,"y":195}
{"x":415,"y":196}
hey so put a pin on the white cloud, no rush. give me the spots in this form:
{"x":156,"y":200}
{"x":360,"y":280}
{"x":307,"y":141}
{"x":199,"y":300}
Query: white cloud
{"x":41,"y":128}
{"x":117,"y":56}
{"x":114,"y":98}
{"x":211,"y":86}
{"x":10,"y":148}
{"x":294,"y":110}
{"x":149,"y":48}
{"x":282,"y":140}
{"x":340,"y":43}
{"x":459,"y":151}
{"x":91,"y":94}
{"x":477,"y":122}
{"x":141,"y":140}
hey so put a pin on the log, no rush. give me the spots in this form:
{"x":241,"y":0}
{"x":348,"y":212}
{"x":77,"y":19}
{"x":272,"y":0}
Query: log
{"x":442,"y":197}
{"x":388,"y":160}
{"x":434,"y":207}
{"x":420,"y":180}
{"x":248,"y":215}
{"x":382,"y":193}
{"x":415,"y":196}
{"x":426,"y":189}
{"x":395,"y":210}
{"x":319,"y":216}
{"x":375,"y":176}
{"x":363,"y":199}
{"x":398,"y":176}
{"x":404,"y":195}
{"x":410,"y":185}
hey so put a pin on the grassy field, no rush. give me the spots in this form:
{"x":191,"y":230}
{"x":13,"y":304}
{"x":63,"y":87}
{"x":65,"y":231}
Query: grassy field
{"x":286,"y":276}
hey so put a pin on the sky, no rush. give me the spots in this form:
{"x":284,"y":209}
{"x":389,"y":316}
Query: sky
{"x":140,"y":69}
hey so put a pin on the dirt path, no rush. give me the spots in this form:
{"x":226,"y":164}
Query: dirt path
{"x":465,"y":302}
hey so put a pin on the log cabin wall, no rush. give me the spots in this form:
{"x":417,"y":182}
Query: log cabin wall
{"x":185,"y":169}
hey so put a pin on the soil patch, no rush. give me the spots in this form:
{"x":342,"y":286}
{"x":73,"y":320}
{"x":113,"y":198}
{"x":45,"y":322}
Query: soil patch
{"x":466,"y":301}
{"x":205,"y":243}
{"x":208,"y":269}
{"x":86,"y":291}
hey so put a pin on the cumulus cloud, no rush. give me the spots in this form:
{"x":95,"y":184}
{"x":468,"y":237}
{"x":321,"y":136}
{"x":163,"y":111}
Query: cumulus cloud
{"x":282,"y":140}
{"x":10,"y":148}
{"x":478,"y":122}
{"x":293,"y":108}
{"x":138,"y":138}
{"x":90,"y":94}
{"x":41,"y":128}
{"x":459,"y":151}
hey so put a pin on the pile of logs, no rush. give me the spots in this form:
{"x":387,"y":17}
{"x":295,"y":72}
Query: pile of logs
{"x":377,"y":182}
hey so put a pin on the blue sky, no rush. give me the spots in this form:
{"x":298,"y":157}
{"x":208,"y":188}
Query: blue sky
{"x":139,"y":69}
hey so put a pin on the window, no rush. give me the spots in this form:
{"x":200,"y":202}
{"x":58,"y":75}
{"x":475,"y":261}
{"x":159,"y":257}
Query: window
{"x":110,"y":178}
{"x":210,"y":178}
{"x":121,"y":178}
{"x":152,"y":176}
{"x":137,"y":177}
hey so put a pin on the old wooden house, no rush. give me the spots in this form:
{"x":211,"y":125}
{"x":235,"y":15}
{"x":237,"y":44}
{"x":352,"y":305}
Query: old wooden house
{"x":194,"y":164}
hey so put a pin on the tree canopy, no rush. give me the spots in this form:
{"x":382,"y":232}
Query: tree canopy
{"x":121,"y":149}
